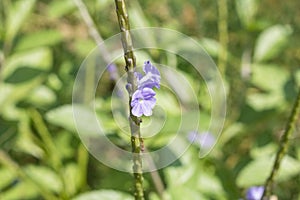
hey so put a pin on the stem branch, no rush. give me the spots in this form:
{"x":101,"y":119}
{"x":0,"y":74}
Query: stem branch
{"x":283,"y":147}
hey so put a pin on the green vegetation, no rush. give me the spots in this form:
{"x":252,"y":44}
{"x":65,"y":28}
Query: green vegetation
{"x":43,"y":43}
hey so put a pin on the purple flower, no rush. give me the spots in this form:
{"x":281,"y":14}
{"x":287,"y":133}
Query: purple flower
{"x":151,"y":78}
{"x":255,"y":193}
{"x":143,"y":102}
{"x":205,"y":140}
{"x":113,"y":72}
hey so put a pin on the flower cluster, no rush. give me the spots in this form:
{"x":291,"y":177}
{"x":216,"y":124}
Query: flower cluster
{"x":143,"y":100}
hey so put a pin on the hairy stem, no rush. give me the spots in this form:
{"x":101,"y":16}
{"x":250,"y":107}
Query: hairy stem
{"x":283,"y":147}
{"x":136,"y":140}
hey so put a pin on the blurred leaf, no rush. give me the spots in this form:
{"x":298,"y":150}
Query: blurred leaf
{"x":270,"y":42}
{"x":246,"y":10}
{"x":26,"y":141}
{"x":39,"y":38}
{"x":60,"y":8}
{"x":22,"y":190}
{"x":39,"y":58}
{"x":185,"y":192}
{"x":168,"y":101}
{"x":257,"y":171}
{"x":138,"y":18}
{"x":7,"y":177}
{"x":263,"y":151}
{"x":71,"y":178}
{"x":271,"y":79}
{"x":18,"y":13}
{"x":180,"y":84}
{"x":10,"y":95}
{"x":63,"y":116}
{"x":42,"y":96}
{"x":103,"y":195}
{"x":211,"y":46}
{"x":210,"y":185}
{"x":44,"y":177}
{"x":297,"y":76}
{"x":84,"y":46}
{"x":23,"y":74}
{"x":54,"y":82}
{"x":230,"y":132}
{"x":63,"y":142}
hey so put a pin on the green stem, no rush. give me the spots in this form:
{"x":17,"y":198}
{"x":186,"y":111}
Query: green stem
{"x":283,"y":147}
{"x":223,"y":35}
{"x":42,"y":130}
{"x":136,"y":140}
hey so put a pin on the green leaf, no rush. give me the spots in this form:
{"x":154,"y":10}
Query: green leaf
{"x":297,"y":76}
{"x":39,"y":58}
{"x":63,"y":116}
{"x":22,"y":190}
{"x":23,"y":74}
{"x":44,"y":177}
{"x":17,"y":14}
{"x":26,"y":141}
{"x":104,"y":195}
{"x":185,"y":192}
{"x":84,"y":46}
{"x":71,"y":176}
{"x":257,"y":171}
{"x":271,"y":79}
{"x":246,"y":10}
{"x":7,"y":176}
{"x":60,"y":8}
{"x":40,"y":38}
{"x":211,"y":46}
{"x":270,"y":42}
{"x":42,"y":96}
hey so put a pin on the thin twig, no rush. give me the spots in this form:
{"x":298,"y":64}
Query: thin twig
{"x":92,"y":29}
{"x":136,"y":140}
{"x":283,"y":147}
{"x":157,"y":181}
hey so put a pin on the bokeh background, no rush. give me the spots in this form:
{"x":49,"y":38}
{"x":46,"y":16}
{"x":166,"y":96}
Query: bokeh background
{"x":254,"y":43}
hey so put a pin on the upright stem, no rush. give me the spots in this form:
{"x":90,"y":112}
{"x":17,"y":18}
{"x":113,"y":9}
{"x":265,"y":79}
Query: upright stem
{"x":283,"y":147}
{"x":223,"y":35}
{"x":136,"y":140}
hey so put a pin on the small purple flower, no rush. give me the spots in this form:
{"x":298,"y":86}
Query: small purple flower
{"x":151,"y":78}
{"x":204,"y":140}
{"x":255,"y":193}
{"x":143,"y":102}
{"x":113,"y":72}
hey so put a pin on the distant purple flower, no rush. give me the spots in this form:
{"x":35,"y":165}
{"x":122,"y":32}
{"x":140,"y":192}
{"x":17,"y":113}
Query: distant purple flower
{"x":113,"y":71}
{"x":205,"y":140}
{"x":143,"y":102}
{"x":151,"y":78}
{"x":255,"y":193}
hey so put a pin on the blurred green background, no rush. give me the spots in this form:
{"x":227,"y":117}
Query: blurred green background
{"x":255,"y":44}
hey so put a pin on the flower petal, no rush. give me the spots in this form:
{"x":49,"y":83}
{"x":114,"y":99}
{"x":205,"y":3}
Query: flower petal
{"x":147,"y":110}
{"x":137,"y":110}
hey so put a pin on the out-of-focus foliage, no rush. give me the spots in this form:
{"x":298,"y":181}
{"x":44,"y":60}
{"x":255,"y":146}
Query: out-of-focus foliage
{"x":42,"y":46}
